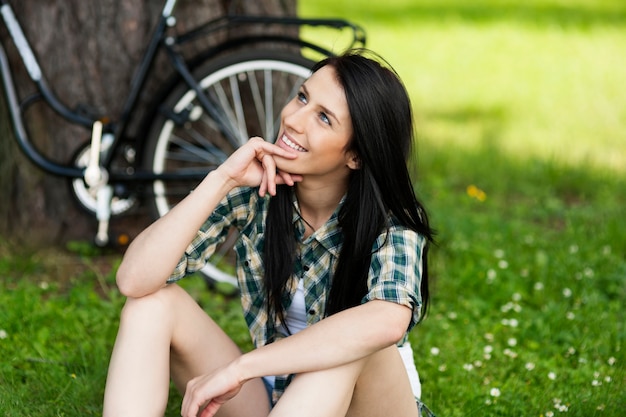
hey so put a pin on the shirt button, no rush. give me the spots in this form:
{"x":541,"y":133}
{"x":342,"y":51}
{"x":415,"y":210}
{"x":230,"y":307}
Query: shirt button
{"x":246,"y":263}
{"x":306,"y":267}
{"x":312,"y":311}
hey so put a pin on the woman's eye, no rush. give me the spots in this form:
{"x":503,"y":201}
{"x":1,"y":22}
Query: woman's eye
{"x":324,"y":118}
{"x":301,"y":97}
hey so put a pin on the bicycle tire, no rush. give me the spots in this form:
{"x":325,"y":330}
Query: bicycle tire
{"x":185,"y":138}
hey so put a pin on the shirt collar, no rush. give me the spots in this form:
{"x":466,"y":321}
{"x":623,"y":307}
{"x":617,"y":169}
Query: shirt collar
{"x":329,"y":235}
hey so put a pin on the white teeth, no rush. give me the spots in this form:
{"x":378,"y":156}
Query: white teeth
{"x":292,"y":145}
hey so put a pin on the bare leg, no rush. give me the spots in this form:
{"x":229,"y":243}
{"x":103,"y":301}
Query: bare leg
{"x":374,"y":386}
{"x":168,"y":333}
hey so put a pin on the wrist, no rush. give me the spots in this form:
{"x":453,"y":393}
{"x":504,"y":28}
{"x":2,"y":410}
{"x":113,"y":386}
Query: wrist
{"x":241,"y":369}
{"x":217,"y":180}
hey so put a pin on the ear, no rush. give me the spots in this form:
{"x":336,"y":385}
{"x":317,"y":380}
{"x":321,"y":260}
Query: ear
{"x":353,"y":161}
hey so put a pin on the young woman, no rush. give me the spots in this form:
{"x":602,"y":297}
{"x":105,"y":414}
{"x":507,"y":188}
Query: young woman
{"x":331,"y":263}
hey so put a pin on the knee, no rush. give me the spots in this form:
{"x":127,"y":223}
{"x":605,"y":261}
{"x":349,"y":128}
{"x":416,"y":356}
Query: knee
{"x":154,"y":306}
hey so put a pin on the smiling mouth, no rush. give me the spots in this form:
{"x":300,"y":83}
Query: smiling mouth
{"x":292,"y":144}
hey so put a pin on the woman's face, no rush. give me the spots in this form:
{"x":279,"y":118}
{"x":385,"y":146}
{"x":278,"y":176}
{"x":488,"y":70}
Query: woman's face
{"x":317,"y":125}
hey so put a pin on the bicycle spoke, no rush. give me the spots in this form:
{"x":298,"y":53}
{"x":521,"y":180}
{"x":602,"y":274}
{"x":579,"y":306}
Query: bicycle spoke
{"x":269,"y":106}
{"x":240,"y":119}
{"x":228,"y":111}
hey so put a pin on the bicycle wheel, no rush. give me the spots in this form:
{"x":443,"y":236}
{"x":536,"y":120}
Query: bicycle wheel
{"x":247,"y":91}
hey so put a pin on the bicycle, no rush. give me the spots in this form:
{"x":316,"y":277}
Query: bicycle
{"x":214,"y":103}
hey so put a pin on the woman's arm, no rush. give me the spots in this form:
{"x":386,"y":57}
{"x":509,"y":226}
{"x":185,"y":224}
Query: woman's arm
{"x":152,"y":256}
{"x":342,"y":338}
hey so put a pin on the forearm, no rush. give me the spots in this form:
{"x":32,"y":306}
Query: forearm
{"x":154,"y":253}
{"x":339,"y":339}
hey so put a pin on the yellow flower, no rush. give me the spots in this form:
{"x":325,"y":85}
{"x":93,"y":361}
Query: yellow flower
{"x":475,"y":192}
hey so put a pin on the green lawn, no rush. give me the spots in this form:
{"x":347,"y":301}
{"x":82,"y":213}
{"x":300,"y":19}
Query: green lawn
{"x":521,"y":118}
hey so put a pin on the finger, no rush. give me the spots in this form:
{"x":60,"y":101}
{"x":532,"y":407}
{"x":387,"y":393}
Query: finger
{"x":211,"y":409}
{"x":263,"y":185}
{"x":270,"y":148}
{"x":287,"y":178}
{"x":269,"y":167}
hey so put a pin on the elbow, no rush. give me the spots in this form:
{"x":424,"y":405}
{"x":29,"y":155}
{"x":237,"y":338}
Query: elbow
{"x":395,"y":333}
{"x":394,"y":327}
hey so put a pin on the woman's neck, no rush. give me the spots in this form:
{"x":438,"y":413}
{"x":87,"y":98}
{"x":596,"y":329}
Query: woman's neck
{"x":318,"y":202}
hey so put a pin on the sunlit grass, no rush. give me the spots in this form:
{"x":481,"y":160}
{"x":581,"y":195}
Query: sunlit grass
{"x":534,"y":82}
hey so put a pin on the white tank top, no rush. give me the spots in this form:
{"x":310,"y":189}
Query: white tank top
{"x":296,"y":321}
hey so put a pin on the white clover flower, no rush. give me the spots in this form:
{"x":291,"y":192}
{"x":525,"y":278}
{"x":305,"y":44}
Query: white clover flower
{"x":567,"y":293}
{"x":44,"y":285}
{"x":570,"y":316}
{"x":511,"y":354}
{"x":552,"y":376}
{"x":478,"y":364}
{"x":516,"y":297}
{"x":452,"y":315}
{"x":611,"y":361}
{"x":571,"y":351}
{"x":468,"y":367}
{"x":562,"y":408}
{"x":442,"y":368}
{"x":491,"y":275}
{"x":607,"y":379}
{"x":498,"y":253}
{"x":512,"y":342}
{"x":538,"y":286}
{"x":3,"y":334}
{"x":596,"y":374}
{"x":573,"y":249}
{"x":494,"y":392}
{"x":549,"y":414}
{"x":606,"y":250}
{"x":503,"y":264}
{"x":488,"y":349}
{"x":489,"y":337}
{"x":588,"y":272}
{"x":529,"y":366}
{"x":434,"y":351}
{"x":487,"y":356}
{"x":517,"y":308}
{"x":595,"y":383}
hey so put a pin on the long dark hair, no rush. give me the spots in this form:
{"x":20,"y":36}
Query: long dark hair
{"x":382,"y":121}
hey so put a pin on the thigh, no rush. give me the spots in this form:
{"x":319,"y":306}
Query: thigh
{"x":383,"y":388}
{"x":374,"y":386}
{"x":199,"y":346}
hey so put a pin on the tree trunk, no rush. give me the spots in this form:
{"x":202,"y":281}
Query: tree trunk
{"x":88,"y":51}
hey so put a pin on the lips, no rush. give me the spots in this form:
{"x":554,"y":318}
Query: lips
{"x":293,"y":145}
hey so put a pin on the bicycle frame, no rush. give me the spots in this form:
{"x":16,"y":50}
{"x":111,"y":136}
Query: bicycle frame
{"x":160,"y":39}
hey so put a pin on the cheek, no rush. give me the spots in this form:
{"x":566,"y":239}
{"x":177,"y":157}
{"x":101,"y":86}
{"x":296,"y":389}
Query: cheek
{"x":289,"y":109}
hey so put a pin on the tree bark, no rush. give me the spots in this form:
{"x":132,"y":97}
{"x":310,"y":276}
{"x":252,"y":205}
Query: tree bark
{"x":88,"y":51}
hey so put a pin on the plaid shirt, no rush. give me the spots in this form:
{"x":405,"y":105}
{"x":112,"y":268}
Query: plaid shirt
{"x":394,"y":274}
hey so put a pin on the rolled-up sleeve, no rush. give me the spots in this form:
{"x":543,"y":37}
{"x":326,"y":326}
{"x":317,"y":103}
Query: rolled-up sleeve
{"x":396,"y":270}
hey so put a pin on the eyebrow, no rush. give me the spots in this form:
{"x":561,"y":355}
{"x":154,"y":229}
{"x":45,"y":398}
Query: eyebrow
{"x":325,"y":109}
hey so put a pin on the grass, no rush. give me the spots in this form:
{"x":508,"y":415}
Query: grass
{"x":521,"y":117}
